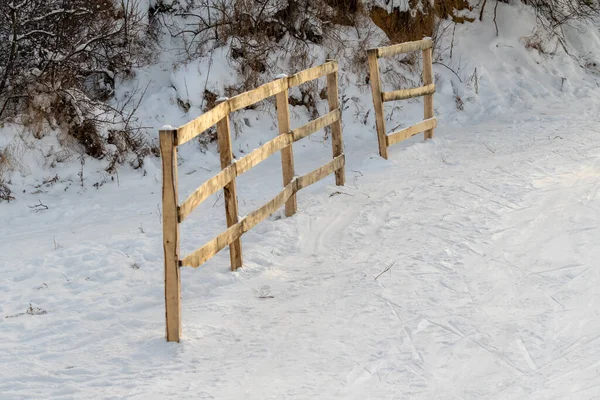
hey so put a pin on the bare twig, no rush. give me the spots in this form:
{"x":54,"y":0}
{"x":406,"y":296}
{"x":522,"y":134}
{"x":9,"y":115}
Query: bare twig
{"x":495,"y":14}
{"x":489,"y":148}
{"x":444,"y":65}
{"x":482,"y":9}
{"x":264,"y":293}
{"x":385,"y":270}
{"x":338,"y":192}
{"x":38,"y":207}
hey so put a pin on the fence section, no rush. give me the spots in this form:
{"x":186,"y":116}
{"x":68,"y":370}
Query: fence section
{"x":175,"y":213}
{"x":380,"y":97}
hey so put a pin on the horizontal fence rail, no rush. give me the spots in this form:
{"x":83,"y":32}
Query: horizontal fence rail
{"x":175,"y":213}
{"x":380,"y":97}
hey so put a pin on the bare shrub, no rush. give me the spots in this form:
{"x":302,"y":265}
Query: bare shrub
{"x":553,"y":15}
{"x":535,"y":42}
{"x":59,"y":60}
{"x":5,"y":192}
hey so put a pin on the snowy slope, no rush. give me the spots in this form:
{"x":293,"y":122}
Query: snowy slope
{"x":490,"y":231}
{"x":477,"y":73}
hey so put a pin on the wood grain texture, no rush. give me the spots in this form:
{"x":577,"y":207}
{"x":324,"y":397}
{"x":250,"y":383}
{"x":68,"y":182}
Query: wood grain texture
{"x":168,"y":152}
{"x":404,"y":94}
{"x":268,"y":209}
{"x":194,"y":128}
{"x":316,"y":124}
{"x":206,"y":252}
{"x":428,"y":80}
{"x":405,"y":133}
{"x":287,"y":153}
{"x":260,"y":93}
{"x":312,"y":73}
{"x":404,"y":48}
{"x":337,"y":144}
{"x":377,"y":103}
{"x":263,"y":152}
{"x":229,"y":191}
{"x":208,"y":188}
{"x":234,"y":232}
{"x":320,"y":173}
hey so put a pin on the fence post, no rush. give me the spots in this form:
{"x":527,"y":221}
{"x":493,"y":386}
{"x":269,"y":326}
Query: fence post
{"x":427,"y":80}
{"x":168,"y":151}
{"x":287,"y":153}
{"x":336,"y":128}
{"x":377,"y":103}
{"x":229,"y":191}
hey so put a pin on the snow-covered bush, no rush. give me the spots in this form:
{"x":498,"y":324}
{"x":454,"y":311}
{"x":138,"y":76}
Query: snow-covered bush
{"x":59,"y":60}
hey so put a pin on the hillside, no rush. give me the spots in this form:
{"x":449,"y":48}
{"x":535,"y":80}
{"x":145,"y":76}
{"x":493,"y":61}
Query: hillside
{"x":479,"y":71}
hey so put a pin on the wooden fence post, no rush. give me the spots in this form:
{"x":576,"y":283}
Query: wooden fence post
{"x":336,"y":128}
{"x":287,"y":153}
{"x":229,"y":191}
{"x":168,"y":151}
{"x":377,"y":103}
{"x":427,"y":80}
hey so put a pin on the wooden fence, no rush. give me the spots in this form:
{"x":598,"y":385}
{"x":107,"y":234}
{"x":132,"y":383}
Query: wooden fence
{"x":380,"y":97}
{"x":174,"y":213}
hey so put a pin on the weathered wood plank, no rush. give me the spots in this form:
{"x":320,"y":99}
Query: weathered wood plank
{"x":315,"y":125}
{"x":377,"y":103}
{"x":287,"y":153}
{"x":252,"y":219}
{"x":208,"y":188}
{"x":407,"y":47}
{"x":336,"y":127}
{"x":404,"y":94}
{"x":312,"y":73}
{"x":168,"y":152}
{"x":229,"y":191}
{"x":234,"y":232}
{"x":206,"y":252}
{"x":428,"y":80}
{"x":260,"y":93}
{"x":322,"y":172}
{"x":411,"y":131}
{"x":263,"y":152}
{"x":194,"y":128}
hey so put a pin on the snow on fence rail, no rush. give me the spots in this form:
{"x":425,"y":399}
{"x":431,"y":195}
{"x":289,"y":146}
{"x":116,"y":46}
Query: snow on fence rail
{"x":380,"y":97}
{"x":174,"y":213}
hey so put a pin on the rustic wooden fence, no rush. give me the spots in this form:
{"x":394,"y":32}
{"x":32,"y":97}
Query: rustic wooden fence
{"x":380,"y":97}
{"x":174,"y":213}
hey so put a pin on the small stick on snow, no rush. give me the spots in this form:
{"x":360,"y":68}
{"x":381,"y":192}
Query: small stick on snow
{"x":38,"y":207}
{"x":338,"y":192}
{"x":489,"y":148}
{"x":385,"y":270}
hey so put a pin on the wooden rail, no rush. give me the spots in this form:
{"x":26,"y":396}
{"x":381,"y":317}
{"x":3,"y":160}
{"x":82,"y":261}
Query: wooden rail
{"x":380,"y":97}
{"x":175,"y":213}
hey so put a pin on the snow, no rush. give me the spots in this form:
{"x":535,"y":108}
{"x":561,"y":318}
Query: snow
{"x":493,"y":236}
{"x":488,"y":233}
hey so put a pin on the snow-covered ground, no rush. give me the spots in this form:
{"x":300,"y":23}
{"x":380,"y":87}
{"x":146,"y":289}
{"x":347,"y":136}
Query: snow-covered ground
{"x":490,"y":233}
